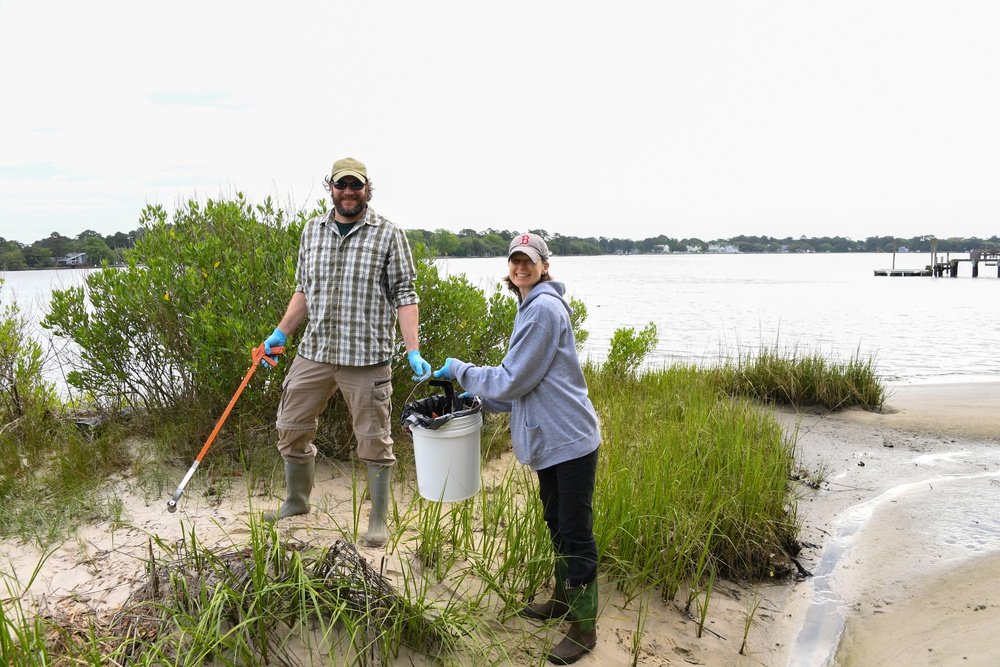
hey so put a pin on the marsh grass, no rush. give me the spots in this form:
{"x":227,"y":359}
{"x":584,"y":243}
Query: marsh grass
{"x":693,"y":484}
{"x":791,"y":377}
{"x":710,"y":473}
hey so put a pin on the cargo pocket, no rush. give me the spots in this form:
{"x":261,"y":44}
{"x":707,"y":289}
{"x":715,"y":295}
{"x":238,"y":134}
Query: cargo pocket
{"x":381,"y":406}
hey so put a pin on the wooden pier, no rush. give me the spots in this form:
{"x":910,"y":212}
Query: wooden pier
{"x":948,"y":267}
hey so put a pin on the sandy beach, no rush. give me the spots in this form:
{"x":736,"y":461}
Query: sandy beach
{"x":902,"y":539}
{"x":907,"y":529}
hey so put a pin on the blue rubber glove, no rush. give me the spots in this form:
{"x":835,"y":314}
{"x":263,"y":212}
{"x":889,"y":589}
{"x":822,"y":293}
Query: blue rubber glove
{"x":278,"y":339}
{"x":445,"y":371}
{"x":421,"y":369}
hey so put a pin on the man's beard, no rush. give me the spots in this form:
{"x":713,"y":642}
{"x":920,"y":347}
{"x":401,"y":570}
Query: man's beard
{"x":349,"y":212}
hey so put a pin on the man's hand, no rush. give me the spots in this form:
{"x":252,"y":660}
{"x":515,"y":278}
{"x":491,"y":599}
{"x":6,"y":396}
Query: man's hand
{"x":277,"y":339}
{"x":421,"y":369}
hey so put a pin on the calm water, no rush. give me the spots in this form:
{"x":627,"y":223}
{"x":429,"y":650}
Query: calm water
{"x":708,"y":306}
{"x":32,"y":291}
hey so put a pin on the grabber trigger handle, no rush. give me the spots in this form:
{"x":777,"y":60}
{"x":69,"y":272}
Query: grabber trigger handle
{"x":258,"y":354}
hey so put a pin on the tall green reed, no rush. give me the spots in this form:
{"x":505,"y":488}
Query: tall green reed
{"x":709,"y":472}
{"x":791,"y":377}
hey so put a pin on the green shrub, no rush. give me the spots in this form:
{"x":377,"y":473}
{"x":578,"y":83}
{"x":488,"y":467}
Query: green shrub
{"x":27,"y":400}
{"x":171,"y":333}
{"x":628,"y":349}
{"x":577,"y":317}
{"x":173,"y":330}
{"x":23,"y":390}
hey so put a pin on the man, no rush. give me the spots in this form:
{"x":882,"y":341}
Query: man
{"x":355,"y":279}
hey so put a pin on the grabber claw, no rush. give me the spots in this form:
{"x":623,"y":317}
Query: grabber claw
{"x":258,"y":356}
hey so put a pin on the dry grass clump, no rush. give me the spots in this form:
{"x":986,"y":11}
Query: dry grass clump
{"x":266,"y":604}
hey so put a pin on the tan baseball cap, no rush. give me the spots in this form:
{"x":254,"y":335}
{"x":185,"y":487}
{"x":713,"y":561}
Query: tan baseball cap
{"x":531,"y":245}
{"x":349,"y":167}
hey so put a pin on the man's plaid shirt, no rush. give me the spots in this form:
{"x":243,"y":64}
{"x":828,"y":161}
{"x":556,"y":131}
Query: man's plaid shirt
{"x":353,"y":285}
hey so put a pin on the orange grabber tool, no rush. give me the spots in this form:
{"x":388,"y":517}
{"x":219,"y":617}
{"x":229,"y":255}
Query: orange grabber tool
{"x":258,"y":356}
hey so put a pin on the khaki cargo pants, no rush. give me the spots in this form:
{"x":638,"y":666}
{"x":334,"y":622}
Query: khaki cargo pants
{"x":307,"y":389}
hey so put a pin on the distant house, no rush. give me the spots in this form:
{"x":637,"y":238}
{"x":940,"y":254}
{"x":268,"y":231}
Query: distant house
{"x":727,"y":249}
{"x":661,"y":248}
{"x":75,"y":259}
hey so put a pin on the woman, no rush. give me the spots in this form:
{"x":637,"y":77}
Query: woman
{"x":554,"y":430}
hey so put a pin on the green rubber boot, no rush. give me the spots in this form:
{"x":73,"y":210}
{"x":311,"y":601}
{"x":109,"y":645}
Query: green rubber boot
{"x":556,"y":607}
{"x":299,"y":480}
{"x":379,"y":487}
{"x":582,"y":635}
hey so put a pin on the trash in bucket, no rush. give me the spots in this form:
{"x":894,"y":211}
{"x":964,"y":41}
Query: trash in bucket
{"x":446,"y":448}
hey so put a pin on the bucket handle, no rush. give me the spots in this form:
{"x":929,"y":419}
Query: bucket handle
{"x":449,"y":392}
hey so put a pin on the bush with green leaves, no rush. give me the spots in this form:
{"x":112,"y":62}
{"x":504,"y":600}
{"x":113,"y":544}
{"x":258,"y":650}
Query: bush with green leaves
{"x":576,"y":318}
{"x":628,"y":349}
{"x":23,"y":389}
{"x":173,"y":330}
{"x":27,"y":400}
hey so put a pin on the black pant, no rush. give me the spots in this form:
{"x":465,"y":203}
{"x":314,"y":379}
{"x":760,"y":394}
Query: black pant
{"x":567,"y":492}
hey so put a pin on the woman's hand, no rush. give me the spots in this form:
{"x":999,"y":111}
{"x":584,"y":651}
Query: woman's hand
{"x":445,"y":371}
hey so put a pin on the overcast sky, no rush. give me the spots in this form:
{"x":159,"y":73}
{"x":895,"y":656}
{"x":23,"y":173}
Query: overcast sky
{"x":621,"y":119}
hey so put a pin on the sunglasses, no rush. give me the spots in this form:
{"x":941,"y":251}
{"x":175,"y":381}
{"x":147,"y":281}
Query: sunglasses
{"x":357,"y":186}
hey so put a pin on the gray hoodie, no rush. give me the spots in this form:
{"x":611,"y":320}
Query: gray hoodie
{"x":540,"y":383}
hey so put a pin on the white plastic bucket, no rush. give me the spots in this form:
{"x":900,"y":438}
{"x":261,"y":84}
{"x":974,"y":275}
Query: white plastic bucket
{"x":447,"y":459}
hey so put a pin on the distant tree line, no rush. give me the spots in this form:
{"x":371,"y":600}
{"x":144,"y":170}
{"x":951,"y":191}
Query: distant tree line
{"x":493,"y":242}
{"x":47,"y":252}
